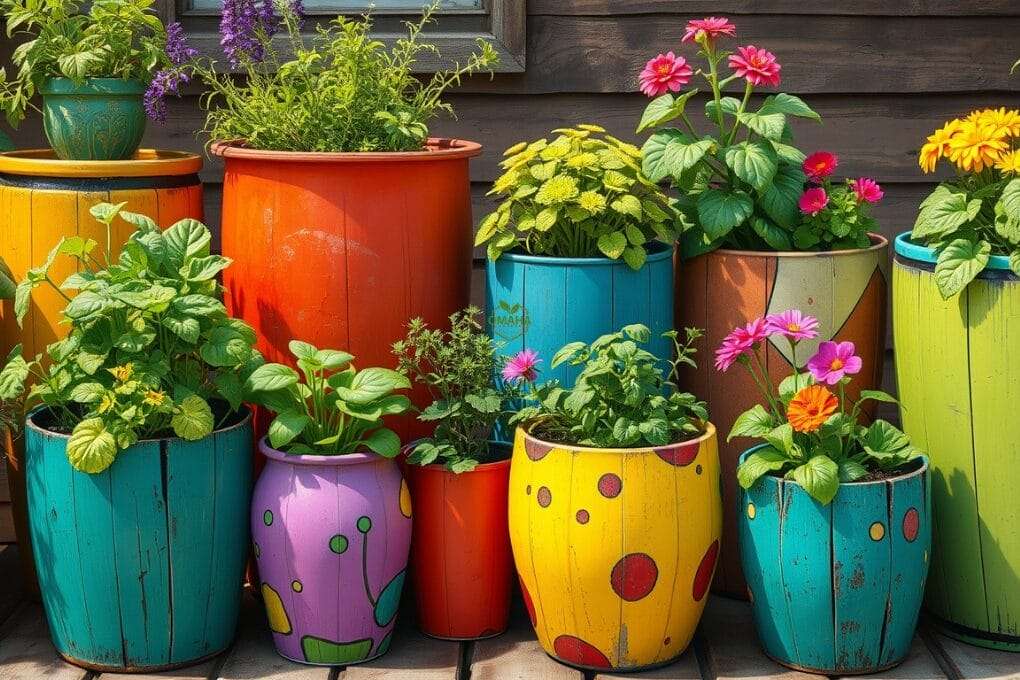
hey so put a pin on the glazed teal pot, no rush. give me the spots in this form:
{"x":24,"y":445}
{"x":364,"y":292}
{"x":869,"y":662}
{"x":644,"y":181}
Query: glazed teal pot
{"x":103,"y":119}
{"x":837,"y":589}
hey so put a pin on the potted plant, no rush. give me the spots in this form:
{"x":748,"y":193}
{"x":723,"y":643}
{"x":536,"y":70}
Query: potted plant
{"x":91,"y":68}
{"x":615,"y":512}
{"x":765,"y":227}
{"x":331,"y":514}
{"x":327,"y":150}
{"x":955,"y":285}
{"x":138,"y":455}
{"x":460,"y":553}
{"x":835,"y":515}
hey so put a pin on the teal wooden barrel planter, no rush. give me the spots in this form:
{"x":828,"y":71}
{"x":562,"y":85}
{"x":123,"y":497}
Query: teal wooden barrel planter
{"x":141,"y":566}
{"x":837,"y":589}
{"x":102,"y":119}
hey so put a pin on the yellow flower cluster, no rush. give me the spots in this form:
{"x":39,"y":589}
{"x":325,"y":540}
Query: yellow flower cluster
{"x":985,"y":139}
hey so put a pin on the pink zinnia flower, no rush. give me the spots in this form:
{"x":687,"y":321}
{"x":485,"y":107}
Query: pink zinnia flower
{"x":739,"y":342}
{"x":522,"y":366}
{"x":666,"y":72}
{"x":833,"y":361}
{"x":793,"y":324}
{"x":758,"y":67}
{"x":867,"y":190}
{"x":813,"y":201}
{"x":820,"y":165}
{"x":710,"y":27}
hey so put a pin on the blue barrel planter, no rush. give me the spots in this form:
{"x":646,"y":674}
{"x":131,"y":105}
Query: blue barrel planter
{"x":542,"y":303}
{"x":141,"y":566}
{"x":837,"y":589}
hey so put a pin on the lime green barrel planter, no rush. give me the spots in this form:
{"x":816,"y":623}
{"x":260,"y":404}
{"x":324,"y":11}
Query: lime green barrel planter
{"x":959,"y":388}
{"x":141,"y":566}
{"x":103,"y":119}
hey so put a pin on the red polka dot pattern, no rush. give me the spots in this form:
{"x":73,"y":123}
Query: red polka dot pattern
{"x":634,"y":576}
{"x":582,"y":517}
{"x":911,"y":525}
{"x":544,"y":496}
{"x":528,"y":604}
{"x":703,"y":577}
{"x":580,"y":653}
{"x":610,"y":485}
{"x":680,"y":455}
{"x":536,"y":450}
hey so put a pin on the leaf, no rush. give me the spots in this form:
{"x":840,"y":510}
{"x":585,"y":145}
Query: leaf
{"x":635,"y":257}
{"x":851,"y":471}
{"x":485,"y":403}
{"x":87,"y":393}
{"x":106,"y":212}
{"x":383,"y":441}
{"x":878,"y":395}
{"x":653,"y":163}
{"x":226,"y":346}
{"x":753,"y":162}
{"x":85,"y":304}
{"x":91,"y":448}
{"x":780,"y":198}
{"x":759,"y":463}
{"x":663,"y":109}
{"x":883,"y":439}
{"x":612,"y":244}
{"x":729,"y":105}
{"x":776,"y":237}
{"x":186,"y":328}
{"x":768,"y":125}
{"x":627,"y":205}
{"x":194,"y":419}
{"x":333,"y":359}
{"x":566,"y":353}
{"x":1014,"y":262}
{"x":792,"y":384}
{"x":781,"y":438}
{"x":755,"y":422}
{"x":1010,"y":200}
{"x":8,"y":287}
{"x":76,"y":65}
{"x":546,"y":219}
{"x":13,"y":375}
{"x":198,"y":305}
{"x":959,"y":263}
{"x":819,"y":477}
{"x":720,"y":211}
{"x":204,"y":268}
{"x":186,"y":239}
{"x":944,"y":212}
{"x":286,"y":427}
{"x":23,"y":298}
{"x":788,"y":104}
{"x":302,"y":350}
{"x":270,"y":378}
{"x":371,"y":384}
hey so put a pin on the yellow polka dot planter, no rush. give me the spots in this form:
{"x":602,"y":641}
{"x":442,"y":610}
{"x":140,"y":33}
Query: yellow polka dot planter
{"x":615,"y":548}
{"x":837,"y":589}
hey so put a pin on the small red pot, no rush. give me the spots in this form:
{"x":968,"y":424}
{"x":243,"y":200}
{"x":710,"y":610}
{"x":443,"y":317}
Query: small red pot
{"x":461,"y":563}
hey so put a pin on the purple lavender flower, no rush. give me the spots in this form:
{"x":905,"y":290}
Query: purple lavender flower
{"x":243,"y":27}
{"x":177,"y":49}
{"x":164,"y":83}
{"x":298,"y":8}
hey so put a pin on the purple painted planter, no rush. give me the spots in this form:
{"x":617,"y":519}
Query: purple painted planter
{"x":331,"y":537}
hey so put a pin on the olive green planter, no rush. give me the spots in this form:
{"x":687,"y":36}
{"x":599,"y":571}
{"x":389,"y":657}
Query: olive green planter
{"x":102,"y":119}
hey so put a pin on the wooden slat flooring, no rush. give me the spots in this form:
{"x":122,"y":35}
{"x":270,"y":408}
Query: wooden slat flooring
{"x":725,"y":648}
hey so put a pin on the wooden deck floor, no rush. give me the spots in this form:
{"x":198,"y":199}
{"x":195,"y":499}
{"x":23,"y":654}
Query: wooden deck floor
{"x":725,"y":648}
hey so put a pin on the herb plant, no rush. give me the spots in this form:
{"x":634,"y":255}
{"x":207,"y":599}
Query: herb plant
{"x":581,"y":195}
{"x":150,"y":342}
{"x":621,"y":398}
{"x":113,"y":39}
{"x":977,"y":214}
{"x":339,"y":90}
{"x":811,"y":435}
{"x":740,"y":184}
{"x":335,"y":410}
{"x":457,"y":368}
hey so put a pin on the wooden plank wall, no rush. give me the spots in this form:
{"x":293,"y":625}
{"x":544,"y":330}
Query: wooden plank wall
{"x":882,"y":74}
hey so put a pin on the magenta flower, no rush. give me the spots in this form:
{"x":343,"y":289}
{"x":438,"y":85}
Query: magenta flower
{"x":739,"y":342}
{"x":522,"y":366}
{"x":813,"y":201}
{"x":820,"y":165}
{"x":793,"y":324}
{"x":833,"y":361}
{"x":665,"y":73}
{"x":867,"y":190}
{"x":756,"y":66}
{"x":710,"y":27}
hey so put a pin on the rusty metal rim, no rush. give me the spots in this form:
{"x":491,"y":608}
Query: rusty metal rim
{"x":140,"y":669}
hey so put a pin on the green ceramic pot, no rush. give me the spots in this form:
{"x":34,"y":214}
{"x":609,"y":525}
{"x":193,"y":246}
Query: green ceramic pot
{"x":102,"y":119}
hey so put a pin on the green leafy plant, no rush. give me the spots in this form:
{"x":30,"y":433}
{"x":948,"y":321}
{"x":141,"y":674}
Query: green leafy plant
{"x":621,"y":398}
{"x":580,"y":195}
{"x":149,"y":346}
{"x":977,"y":214}
{"x":335,"y":410}
{"x":457,"y":367}
{"x":339,"y":90}
{"x":810,"y":435}
{"x":113,"y":39}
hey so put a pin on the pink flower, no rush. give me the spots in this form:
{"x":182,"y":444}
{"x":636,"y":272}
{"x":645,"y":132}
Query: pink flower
{"x":813,"y":201}
{"x":833,"y":361}
{"x":739,"y":342}
{"x":666,"y":72}
{"x":793,"y":324}
{"x":522,"y":366}
{"x":820,"y":165}
{"x":867,"y":190}
{"x":709,"y":27}
{"x":758,"y":67}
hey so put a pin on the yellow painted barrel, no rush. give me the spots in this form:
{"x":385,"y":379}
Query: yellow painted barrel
{"x":43,"y":199}
{"x":615,"y":548}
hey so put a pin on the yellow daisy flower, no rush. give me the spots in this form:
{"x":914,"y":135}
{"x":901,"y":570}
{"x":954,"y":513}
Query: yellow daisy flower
{"x":938,"y":145}
{"x":976,"y":146}
{"x":592,"y":201}
{"x":154,"y":398}
{"x":559,"y":189}
{"x":106,"y":403}
{"x":1009,"y":163}
{"x":122,"y":373}
{"x":583,"y":160}
{"x":1006,"y":122}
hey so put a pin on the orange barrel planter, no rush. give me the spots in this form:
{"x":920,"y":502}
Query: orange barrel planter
{"x":846,"y":290}
{"x":461,"y":565}
{"x":342,"y":249}
{"x":43,"y":199}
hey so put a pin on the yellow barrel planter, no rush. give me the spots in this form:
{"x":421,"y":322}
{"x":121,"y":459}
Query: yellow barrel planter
{"x":43,"y":199}
{"x":615,"y":548}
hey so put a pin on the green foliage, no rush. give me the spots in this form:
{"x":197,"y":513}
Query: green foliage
{"x":581,"y":195}
{"x":149,"y":345}
{"x":113,"y":39}
{"x":335,"y":410}
{"x":843,"y":224}
{"x":7,"y":283}
{"x":338,"y":90}
{"x":968,"y":220}
{"x":457,"y":367}
{"x":621,"y":398}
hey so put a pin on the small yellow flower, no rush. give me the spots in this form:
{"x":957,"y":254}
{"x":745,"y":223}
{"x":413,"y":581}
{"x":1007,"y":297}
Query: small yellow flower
{"x":976,"y":146}
{"x":1006,"y":122}
{"x":583,"y":160}
{"x":505,"y":182}
{"x":559,"y":189}
{"x":122,"y":373}
{"x":154,"y":398}
{"x":938,"y":145}
{"x":1009,"y":163}
{"x":106,"y":403}
{"x":592,"y":201}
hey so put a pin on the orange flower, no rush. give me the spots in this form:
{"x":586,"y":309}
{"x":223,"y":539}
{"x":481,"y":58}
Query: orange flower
{"x":810,"y":408}
{"x":938,"y":145}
